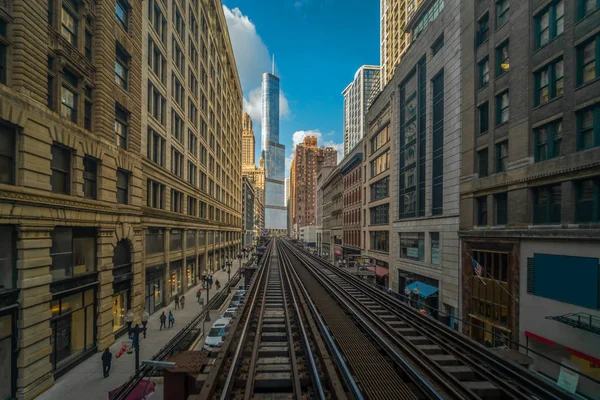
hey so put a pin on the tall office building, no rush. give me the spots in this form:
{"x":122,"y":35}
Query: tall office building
{"x":308,"y":159}
{"x":394,"y":39}
{"x":248,"y":141}
{"x":357,"y":99}
{"x":287,"y":191}
{"x":274,"y":155}
{"x":530,"y":180}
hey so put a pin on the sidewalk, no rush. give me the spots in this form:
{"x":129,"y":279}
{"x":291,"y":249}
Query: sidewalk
{"x":85,"y":381}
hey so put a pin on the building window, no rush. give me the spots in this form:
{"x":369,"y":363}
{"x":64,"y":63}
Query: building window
{"x":549,"y":82}
{"x":483,"y":29}
{"x":69,"y":22}
{"x":191,"y":209}
{"x":122,"y":13}
{"x":549,"y":23}
{"x":484,"y":118}
{"x":412,"y":246}
{"x":90,"y":177}
{"x":176,"y":162}
{"x":380,"y":241}
{"x":502,"y":59}
{"x":121,"y":129}
{"x":380,"y":164}
{"x":380,"y":139}
{"x":155,"y":241}
{"x":156,"y":104}
{"x":73,"y":252}
{"x":482,"y":163}
{"x":122,"y":186}
{"x":380,"y":215}
{"x":156,"y":147}
{"x":155,"y":194}
{"x":484,"y":72}
{"x":436,"y":47}
{"x":546,"y":204}
{"x":176,"y":201}
{"x":437,"y":146}
{"x":586,"y":7}
{"x":587,"y":200}
{"x":502,"y":108}
{"x":380,"y":189}
{"x":61,"y":169}
{"x":482,"y":214}
{"x":3,"y":52}
{"x":588,"y":54}
{"x":192,"y":143}
{"x":89,"y":41}
{"x":69,"y":96}
{"x":588,"y":127}
{"x":501,"y":156}
{"x":8,"y":151}
{"x":87,"y":109}
{"x":177,"y":91}
{"x":177,"y":126}
{"x":548,"y":141}
{"x":501,"y":202}
{"x":192,"y":171}
{"x":502,"y":8}
{"x":121,"y":67}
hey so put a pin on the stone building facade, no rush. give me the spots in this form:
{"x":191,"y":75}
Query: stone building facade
{"x":333,"y":191}
{"x":377,"y":178}
{"x":71,"y":186}
{"x":192,"y":142}
{"x":530,"y":178}
{"x":79,"y":167}
{"x":248,"y":208}
{"x":424,"y":94}
{"x":352,"y":169}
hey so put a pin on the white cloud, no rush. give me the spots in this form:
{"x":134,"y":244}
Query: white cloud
{"x":252,"y":59}
{"x":298,"y":137}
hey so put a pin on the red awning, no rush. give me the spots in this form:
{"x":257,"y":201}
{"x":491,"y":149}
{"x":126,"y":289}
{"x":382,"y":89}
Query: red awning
{"x":379,"y":271}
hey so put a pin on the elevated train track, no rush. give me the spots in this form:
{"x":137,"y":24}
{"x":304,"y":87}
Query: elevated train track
{"x":453,"y":365}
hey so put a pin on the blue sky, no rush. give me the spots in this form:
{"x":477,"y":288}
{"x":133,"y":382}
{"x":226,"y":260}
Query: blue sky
{"x":318,"y":46}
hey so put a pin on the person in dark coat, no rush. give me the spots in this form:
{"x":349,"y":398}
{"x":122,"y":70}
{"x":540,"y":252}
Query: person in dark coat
{"x":106,"y":360}
{"x":176,"y":301}
{"x":163,"y":321}
{"x":182,"y":301}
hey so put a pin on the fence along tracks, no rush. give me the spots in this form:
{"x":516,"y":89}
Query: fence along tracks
{"x":468,"y":369}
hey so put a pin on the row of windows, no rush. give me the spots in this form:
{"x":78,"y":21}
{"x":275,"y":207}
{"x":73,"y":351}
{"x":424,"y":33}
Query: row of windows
{"x":352,"y":238}
{"x":547,"y":202}
{"x":501,"y":159}
{"x":352,"y":217}
{"x":352,"y":178}
{"x":155,"y":198}
{"x":62,"y":169}
{"x":352,"y":197}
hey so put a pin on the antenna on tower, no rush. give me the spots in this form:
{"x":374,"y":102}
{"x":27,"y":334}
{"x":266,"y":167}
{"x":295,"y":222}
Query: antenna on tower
{"x":273,"y":66}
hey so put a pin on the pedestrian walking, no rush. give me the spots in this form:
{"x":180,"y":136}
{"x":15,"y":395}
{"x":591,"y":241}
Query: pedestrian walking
{"x":176,"y":301}
{"x":106,"y":360}
{"x":182,"y":301}
{"x":389,"y":291}
{"x":163,"y":320}
{"x":199,"y":295}
{"x":171,"y":319}
{"x":218,"y":284}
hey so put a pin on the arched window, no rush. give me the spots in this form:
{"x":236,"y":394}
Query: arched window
{"x":122,"y":256}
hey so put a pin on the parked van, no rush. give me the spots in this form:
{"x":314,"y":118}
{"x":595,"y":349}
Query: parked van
{"x":216,"y":333}
{"x":229,"y":313}
{"x":236,"y":300}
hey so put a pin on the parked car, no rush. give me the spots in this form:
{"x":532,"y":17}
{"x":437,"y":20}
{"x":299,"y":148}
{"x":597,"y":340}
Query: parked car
{"x":236,"y":300}
{"x":229,"y":313}
{"x":216,"y":334}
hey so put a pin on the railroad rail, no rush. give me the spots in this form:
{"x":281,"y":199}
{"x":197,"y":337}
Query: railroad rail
{"x":180,"y":340}
{"x":270,"y":352}
{"x":455,"y":365}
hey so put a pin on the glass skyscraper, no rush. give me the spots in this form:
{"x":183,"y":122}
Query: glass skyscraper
{"x":274,"y":156}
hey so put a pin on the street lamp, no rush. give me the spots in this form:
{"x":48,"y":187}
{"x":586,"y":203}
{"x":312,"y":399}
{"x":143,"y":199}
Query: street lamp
{"x":136,"y":341}
{"x":207,"y":283}
{"x":129,"y":321}
{"x":407,"y":293}
{"x":145,"y":317}
{"x":229,"y":271}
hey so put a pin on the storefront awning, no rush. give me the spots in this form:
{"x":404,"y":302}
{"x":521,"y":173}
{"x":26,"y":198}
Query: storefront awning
{"x":583,"y":321}
{"x":425,"y":290}
{"x":379,"y":271}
